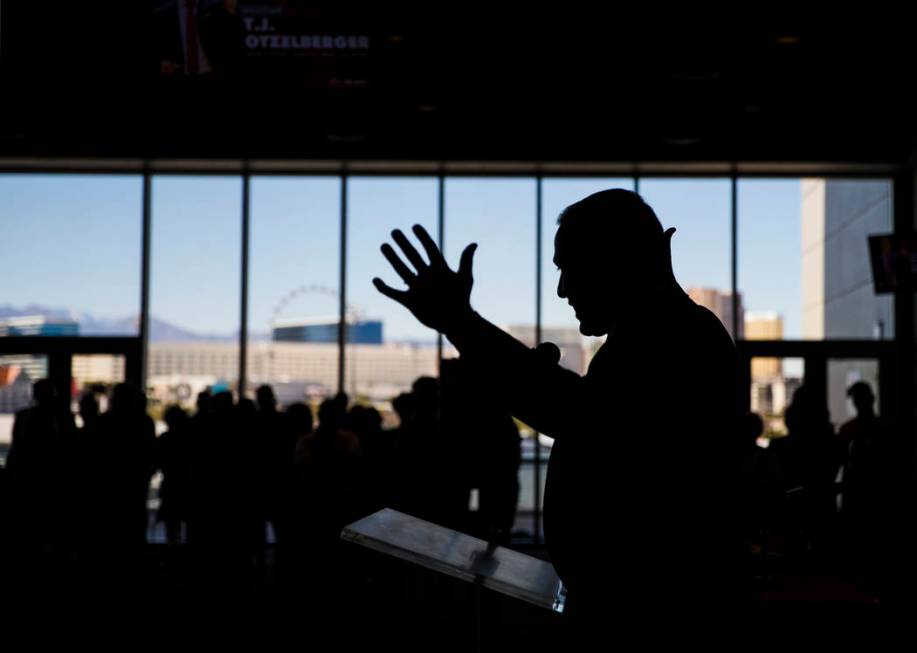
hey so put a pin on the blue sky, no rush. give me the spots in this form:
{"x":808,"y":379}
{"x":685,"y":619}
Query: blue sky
{"x":71,"y":242}
{"x":74,"y":242}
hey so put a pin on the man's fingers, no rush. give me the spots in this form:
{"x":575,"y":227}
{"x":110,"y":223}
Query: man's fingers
{"x":413,"y":255}
{"x":429,"y":246}
{"x":403,"y":270}
{"x":399,"y":296}
{"x":466,"y":261}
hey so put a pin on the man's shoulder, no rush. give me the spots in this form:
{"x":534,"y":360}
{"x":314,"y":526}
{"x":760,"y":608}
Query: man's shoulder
{"x":691,"y":330}
{"x":706,"y":323}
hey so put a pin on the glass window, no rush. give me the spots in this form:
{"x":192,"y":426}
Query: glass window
{"x":843,"y":373}
{"x":773,"y":382}
{"x":853,"y":211}
{"x":525,"y":510}
{"x":701,"y":212}
{"x":498,"y":215}
{"x":97,"y":375}
{"x":388,"y":348}
{"x":803,"y":256}
{"x":195,"y":284}
{"x":294,"y":276}
{"x":72,"y":244}
{"x":17,"y":374}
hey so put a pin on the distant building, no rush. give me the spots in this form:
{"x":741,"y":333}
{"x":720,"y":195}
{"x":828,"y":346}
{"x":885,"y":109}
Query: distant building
{"x":837,"y":290}
{"x":838,"y":299}
{"x":770,"y":397}
{"x":719,"y":302}
{"x":764,"y":326}
{"x":31,"y":365}
{"x":375,"y":371}
{"x":15,"y":389}
{"x":9,"y":374}
{"x":359,"y":332}
{"x":97,"y":368}
{"x":37,"y":325}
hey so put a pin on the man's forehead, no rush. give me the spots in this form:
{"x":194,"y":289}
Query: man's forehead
{"x":558,"y":253}
{"x":565,"y":244}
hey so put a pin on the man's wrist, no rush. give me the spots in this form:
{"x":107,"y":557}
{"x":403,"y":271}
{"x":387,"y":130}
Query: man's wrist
{"x":460,"y":325}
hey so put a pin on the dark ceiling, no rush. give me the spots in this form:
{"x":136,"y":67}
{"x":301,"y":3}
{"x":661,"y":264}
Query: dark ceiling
{"x":460,"y":85}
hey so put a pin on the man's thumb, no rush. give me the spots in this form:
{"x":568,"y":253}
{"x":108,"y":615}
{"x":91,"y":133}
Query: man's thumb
{"x":466,"y":260}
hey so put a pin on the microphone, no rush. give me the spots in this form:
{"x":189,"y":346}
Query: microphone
{"x":548,"y":353}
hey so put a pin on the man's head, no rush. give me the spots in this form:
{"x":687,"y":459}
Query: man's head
{"x":123,"y":398}
{"x":203,"y":401}
{"x":861,"y":395}
{"x":611,"y":253}
{"x":43,"y":392}
{"x":266,"y":399}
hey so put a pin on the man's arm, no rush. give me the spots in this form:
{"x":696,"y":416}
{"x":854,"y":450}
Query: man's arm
{"x":537,"y":389}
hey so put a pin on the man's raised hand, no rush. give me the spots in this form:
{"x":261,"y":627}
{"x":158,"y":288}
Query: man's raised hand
{"x":436,"y":295}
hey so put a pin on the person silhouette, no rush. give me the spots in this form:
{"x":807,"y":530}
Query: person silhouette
{"x":124,"y":465}
{"x":858,"y":437}
{"x":38,"y":473}
{"x":173,"y":459}
{"x":808,"y":460}
{"x":761,"y":485}
{"x":867,"y":494}
{"x":645,"y":443}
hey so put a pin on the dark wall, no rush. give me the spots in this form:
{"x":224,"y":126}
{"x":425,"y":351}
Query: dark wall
{"x":458,"y":83}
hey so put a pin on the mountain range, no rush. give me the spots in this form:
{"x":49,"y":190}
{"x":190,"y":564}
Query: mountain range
{"x":160,"y":330}
{"x":91,"y":325}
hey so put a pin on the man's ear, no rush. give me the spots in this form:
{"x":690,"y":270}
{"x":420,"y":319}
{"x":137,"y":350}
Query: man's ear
{"x":668,"y":272}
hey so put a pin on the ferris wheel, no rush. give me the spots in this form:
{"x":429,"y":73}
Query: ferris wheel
{"x":351,"y":312}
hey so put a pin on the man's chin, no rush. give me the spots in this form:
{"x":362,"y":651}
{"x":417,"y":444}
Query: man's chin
{"x":588,"y":328}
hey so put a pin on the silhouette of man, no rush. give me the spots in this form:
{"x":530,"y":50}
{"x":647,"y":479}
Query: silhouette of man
{"x":639,"y":512}
{"x":863,"y":452}
{"x":38,"y":470}
{"x":865,"y":427}
{"x":125,"y":462}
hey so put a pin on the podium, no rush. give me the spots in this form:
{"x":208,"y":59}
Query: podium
{"x":461,"y":556}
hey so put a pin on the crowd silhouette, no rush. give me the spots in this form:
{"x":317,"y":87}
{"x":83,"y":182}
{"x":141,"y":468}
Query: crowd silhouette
{"x":248,"y":490}
{"x":829,"y":497}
